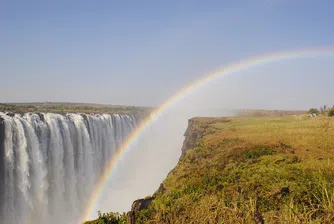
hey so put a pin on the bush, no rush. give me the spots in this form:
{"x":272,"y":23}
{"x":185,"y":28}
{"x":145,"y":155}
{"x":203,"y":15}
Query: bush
{"x":111,"y":218}
{"x":257,"y":152}
{"x":331,"y":112}
{"x":313,"y":110}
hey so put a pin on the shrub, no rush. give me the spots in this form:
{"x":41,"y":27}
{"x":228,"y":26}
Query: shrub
{"x":313,"y":110}
{"x":257,"y":152}
{"x":331,"y":112}
{"x":111,"y":218}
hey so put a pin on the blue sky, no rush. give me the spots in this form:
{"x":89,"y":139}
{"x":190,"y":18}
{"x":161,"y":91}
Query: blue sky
{"x":141,"y":52}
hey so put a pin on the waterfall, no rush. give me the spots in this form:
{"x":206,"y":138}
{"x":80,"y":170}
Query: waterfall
{"x":51,"y":162}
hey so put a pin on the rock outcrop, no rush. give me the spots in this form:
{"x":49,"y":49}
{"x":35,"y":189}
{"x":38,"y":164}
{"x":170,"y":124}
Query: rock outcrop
{"x":193,"y":134}
{"x":130,"y":217}
{"x":141,"y":204}
{"x":138,"y":205}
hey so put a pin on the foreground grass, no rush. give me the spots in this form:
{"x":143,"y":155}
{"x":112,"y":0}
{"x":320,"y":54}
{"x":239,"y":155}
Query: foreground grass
{"x":246,"y":170}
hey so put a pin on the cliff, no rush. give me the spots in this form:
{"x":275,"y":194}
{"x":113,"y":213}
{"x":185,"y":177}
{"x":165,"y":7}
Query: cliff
{"x":63,"y":108}
{"x":195,"y":131}
{"x":2,"y":163}
{"x":197,"y":128}
{"x":248,"y":170}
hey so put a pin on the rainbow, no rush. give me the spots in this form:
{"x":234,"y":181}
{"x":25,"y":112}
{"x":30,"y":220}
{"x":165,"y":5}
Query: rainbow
{"x":229,"y":69}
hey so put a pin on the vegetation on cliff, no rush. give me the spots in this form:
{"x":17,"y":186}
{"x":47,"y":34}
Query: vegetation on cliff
{"x":109,"y":218}
{"x":73,"y":108}
{"x":246,"y":170}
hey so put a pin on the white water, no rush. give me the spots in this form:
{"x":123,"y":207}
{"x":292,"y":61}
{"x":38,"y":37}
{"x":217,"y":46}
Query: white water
{"x":51,"y":163}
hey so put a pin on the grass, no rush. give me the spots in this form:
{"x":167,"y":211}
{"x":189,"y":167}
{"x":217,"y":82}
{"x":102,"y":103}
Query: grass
{"x":246,"y":169}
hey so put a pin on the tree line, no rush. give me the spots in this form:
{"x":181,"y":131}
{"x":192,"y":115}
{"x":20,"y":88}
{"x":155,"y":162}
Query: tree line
{"x":324,"y":110}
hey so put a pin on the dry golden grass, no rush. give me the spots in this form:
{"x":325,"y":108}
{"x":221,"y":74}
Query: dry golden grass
{"x":275,"y":169}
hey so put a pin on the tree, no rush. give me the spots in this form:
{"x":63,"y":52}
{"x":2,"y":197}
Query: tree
{"x":323,"y":109}
{"x":111,"y":218}
{"x":331,"y":112}
{"x":313,"y":110}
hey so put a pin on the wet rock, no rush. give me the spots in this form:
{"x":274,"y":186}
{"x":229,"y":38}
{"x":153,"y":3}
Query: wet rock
{"x":141,"y":204}
{"x":10,"y":114}
{"x":84,"y":116}
{"x":41,"y":116}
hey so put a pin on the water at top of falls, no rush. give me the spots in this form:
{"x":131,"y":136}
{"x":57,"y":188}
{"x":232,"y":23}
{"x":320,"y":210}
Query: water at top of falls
{"x":51,"y":163}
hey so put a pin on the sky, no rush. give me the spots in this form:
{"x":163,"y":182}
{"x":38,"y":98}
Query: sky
{"x":141,"y":52}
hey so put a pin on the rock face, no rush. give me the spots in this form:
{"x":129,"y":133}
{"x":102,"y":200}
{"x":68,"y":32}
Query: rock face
{"x":197,"y":128}
{"x":138,"y":205}
{"x":141,"y":204}
{"x":192,"y":135}
{"x":2,"y":154}
{"x":194,"y":132}
{"x":130,"y":217}
{"x":11,"y":114}
{"x":41,"y":116}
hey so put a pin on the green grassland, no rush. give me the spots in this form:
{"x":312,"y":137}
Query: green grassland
{"x":246,"y":170}
{"x":73,"y":108}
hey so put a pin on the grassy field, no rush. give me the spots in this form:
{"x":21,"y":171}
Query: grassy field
{"x":267,"y":113}
{"x":246,"y":170}
{"x":73,"y":108}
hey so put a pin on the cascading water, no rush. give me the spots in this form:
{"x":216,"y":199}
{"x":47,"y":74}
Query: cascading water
{"x":50,"y":163}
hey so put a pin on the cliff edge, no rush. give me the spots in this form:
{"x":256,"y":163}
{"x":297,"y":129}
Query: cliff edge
{"x":247,"y":170}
